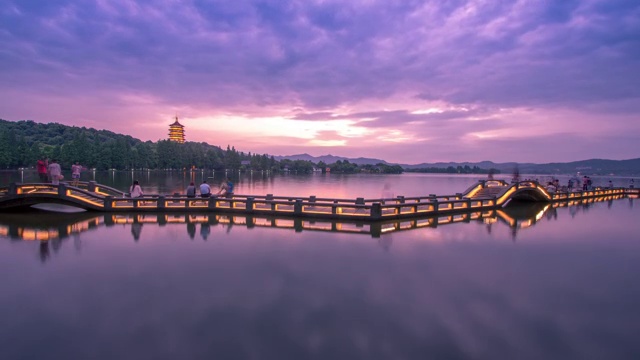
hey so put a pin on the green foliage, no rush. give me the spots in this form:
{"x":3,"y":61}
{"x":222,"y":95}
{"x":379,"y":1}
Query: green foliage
{"x":297,"y":166}
{"x":22,"y":143}
{"x":344,"y":167}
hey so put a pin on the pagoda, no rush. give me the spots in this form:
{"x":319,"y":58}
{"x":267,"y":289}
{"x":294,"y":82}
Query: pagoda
{"x":176,"y":132}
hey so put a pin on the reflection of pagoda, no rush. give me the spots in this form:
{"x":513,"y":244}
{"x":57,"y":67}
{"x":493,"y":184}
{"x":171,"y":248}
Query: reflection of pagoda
{"x":176,"y":132}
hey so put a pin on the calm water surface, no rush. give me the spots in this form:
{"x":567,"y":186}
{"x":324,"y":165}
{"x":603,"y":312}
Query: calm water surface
{"x":527,"y":283}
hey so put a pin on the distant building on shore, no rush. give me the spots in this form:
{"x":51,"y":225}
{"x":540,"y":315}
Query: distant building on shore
{"x":176,"y":132}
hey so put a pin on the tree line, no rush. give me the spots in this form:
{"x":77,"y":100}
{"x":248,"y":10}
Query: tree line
{"x":22,"y":143}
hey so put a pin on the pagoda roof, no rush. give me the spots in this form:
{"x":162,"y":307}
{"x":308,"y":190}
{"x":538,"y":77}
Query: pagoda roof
{"x":176,"y":123}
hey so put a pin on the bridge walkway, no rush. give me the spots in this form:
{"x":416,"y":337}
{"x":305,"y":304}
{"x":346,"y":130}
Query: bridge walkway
{"x":483,"y":196}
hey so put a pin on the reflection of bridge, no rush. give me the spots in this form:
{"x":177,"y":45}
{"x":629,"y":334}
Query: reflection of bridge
{"x":56,"y":226}
{"x":484,"y":196}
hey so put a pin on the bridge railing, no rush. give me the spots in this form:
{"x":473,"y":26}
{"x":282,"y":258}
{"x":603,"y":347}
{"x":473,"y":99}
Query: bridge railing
{"x":312,"y":207}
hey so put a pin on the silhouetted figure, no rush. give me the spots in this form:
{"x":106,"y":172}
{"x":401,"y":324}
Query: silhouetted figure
{"x":205,"y":189}
{"x":191,"y":227}
{"x":387,"y":193}
{"x":191,"y":230}
{"x":55,"y":172}
{"x":516,"y":175}
{"x":44,"y":251}
{"x":135,"y":190}
{"x":191,"y":190}
{"x":205,"y":230}
{"x":136,"y":229}
{"x":385,"y":242}
{"x":43,"y":167}
{"x":226,"y":187}
{"x":75,"y":173}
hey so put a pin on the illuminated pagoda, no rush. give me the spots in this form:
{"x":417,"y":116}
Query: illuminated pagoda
{"x":176,"y":132}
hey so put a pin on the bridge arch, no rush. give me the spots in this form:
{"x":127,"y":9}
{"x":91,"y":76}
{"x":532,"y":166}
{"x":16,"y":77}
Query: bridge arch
{"x":26,"y":202}
{"x":531,"y":194}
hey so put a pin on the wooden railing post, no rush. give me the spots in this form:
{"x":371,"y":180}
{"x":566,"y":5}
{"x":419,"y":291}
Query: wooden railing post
{"x":62,"y":190}
{"x":213,"y":203}
{"x":108,"y":202}
{"x":249,"y":204}
{"x":91,"y":186}
{"x":162,"y":202}
{"x":376,"y":211}
{"x":297,"y":206}
{"x":13,"y":189}
{"x":376,"y":230}
{"x":434,"y":201}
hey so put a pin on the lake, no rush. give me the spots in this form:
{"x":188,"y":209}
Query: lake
{"x":529,"y":282}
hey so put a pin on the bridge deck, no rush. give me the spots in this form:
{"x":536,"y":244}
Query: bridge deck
{"x":483,"y":196}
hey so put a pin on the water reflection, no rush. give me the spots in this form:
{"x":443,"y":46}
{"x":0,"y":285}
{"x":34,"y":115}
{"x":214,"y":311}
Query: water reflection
{"x":51,"y":229}
{"x":566,"y":289}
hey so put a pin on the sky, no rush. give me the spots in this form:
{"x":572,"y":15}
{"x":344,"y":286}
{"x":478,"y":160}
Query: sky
{"x":405,"y":81}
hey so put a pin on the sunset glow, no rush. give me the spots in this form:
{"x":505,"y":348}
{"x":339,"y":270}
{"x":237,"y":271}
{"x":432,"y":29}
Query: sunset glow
{"x":413,"y":82}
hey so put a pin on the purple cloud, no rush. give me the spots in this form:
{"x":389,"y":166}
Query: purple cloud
{"x":305,"y":61}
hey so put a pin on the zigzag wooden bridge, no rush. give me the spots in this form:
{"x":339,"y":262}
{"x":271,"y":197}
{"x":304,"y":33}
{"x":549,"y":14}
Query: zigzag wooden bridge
{"x":485,"y":195}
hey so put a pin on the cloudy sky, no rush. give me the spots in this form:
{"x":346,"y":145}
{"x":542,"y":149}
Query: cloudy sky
{"x":406,"y":81}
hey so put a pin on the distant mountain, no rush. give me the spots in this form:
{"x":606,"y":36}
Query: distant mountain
{"x":592,"y":166}
{"x":481,"y":164}
{"x":586,"y":167}
{"x":330,"y":159}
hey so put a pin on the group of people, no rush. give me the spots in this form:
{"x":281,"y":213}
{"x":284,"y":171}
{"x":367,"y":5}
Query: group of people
{"x":226,"y":188}
{"x":52,"y":171}
{"x":576,"y":184}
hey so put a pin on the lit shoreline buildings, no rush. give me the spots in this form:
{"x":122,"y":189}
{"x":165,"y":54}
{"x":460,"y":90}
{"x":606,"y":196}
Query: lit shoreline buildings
{"x":176,"y":132}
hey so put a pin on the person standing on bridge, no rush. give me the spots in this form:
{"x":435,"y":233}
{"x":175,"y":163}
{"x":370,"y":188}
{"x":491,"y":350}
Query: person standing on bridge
{"x":75,"y":173}
{"x":42,"y":165}
{"x":55,"y":173}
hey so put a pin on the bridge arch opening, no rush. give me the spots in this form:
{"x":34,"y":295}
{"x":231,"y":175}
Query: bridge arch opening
{"x":60,"y":208}
{"x":530,"y":195}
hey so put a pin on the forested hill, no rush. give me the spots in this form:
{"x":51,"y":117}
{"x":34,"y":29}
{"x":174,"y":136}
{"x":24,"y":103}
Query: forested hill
{"x":23,"y":142}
